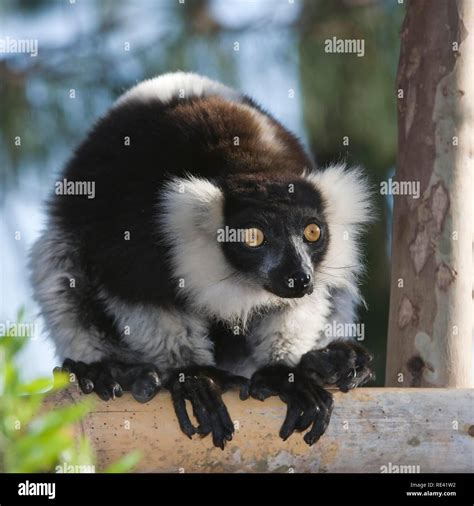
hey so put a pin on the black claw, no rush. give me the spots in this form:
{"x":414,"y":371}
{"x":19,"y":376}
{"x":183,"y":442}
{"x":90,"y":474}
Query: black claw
{"x":325,"y":403}
{"x":294,"y":412}
{"x":146,"y":387}
{"x":109,"y":379}
{"x":343,"y":363}
{"x":179,"y":403}
{"x":69,"y":365}
{"x":262,"y":393}
{"x":86,"y":385}
{"x":226,"y":420}
{"x":245,"y":392}
{"x":103,"y":394}
{"x":308,"y":404}
{"x":311,"y":410}
{"x":117,"y":390}
{"x":203,"y":388}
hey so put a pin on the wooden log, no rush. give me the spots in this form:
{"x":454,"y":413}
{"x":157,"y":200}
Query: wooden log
{"x":372,"y":430}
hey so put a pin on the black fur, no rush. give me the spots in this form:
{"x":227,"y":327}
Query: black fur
{"x":130,"y":155}
{"x":184,"y":136}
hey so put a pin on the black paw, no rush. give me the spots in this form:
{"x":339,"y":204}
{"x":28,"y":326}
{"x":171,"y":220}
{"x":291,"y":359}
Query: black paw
{"x":308,"y":404}
{"x":110,"y":379}
{"x":203,"y":387}
{"x":344,"y":364}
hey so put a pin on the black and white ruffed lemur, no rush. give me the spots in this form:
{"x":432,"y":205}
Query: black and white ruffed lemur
{"x":212,"y":255}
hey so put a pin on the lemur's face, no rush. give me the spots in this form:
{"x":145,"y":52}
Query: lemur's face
{"x":275,"y":234}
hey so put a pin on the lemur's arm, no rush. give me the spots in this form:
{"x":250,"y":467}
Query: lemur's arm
{"x":305,"y":357}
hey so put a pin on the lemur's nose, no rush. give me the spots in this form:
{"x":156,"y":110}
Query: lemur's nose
{"x":300,"y":280}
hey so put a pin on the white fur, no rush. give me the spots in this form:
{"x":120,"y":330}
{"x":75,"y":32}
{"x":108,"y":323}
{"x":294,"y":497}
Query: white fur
{"x":167,"y":338}
{"x":191,"y":217}
{"x":187,"y":85}
{"x":287,"y":328}
{"x":348,"y":209}
{"x":285,"y":335}
{"x":52,"y":267}
{"x":266,"y":130}
{"x":177,"y":84}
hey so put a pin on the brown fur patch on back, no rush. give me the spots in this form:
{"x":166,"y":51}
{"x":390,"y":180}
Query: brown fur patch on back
{"x":240,"y":136}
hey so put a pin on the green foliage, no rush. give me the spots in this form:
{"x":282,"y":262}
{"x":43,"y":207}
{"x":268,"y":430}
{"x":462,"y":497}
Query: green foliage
{"x":33,"y":439}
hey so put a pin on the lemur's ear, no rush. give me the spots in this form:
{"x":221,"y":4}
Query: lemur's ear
{"x":192,"y":205}
{"x":347,"y":195}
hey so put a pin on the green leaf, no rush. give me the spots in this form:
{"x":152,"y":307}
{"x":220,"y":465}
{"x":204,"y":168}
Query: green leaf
{"x":38,"y":386}
{"x":126,"y":463}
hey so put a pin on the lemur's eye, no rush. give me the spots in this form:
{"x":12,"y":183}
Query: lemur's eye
{"x":253,"y":237}
{"x":312,"y":232}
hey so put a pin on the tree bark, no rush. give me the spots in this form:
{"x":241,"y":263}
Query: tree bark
{"x":430,"y":323}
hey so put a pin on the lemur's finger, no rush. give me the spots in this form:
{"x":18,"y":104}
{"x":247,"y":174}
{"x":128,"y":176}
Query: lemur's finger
{"x":207,"y":393}
{"x":260,"y":389}
{"x":179,"y":403}
{"x":215,"y":395}
{"x":200,"y":412}
{"x":310,"y":411}
{"x":103,"y":393}
{"x":354,"y":378}
{"x":146,"y":386}
{"x":245,"y":391}
{"x":81,"y":373}
{"x":319,"y":427}
{"x":204,"y":428}
{"x":293,"y":412}
{"x":261,"y":392}
{"x":105,"y":387}
{"x":212,"y":395}
{"x":321,"y":422}
{"x":86,"y":385}
{"x":70,"y":367}
{"x":226,"y":420}
{"x":117,"y":390}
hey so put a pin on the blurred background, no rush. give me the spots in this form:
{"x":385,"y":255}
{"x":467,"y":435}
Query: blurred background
{"x":90,"y":51}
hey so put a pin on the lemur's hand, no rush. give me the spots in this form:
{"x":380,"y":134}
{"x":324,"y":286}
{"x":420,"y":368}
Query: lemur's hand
{"x":109,"y":379}
{"x":307,"y":402}
{"x":203,"y":386}
{"x":344,"y":364}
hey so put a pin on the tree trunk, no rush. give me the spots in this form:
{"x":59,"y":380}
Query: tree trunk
{"x":430,"y":323}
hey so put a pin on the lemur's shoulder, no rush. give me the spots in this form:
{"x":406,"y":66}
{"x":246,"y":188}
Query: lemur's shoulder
{"x":216,"y":123}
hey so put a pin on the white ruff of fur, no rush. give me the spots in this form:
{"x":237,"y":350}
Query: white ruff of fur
{"x":348,"y":210}
{"x":191,"y":215}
